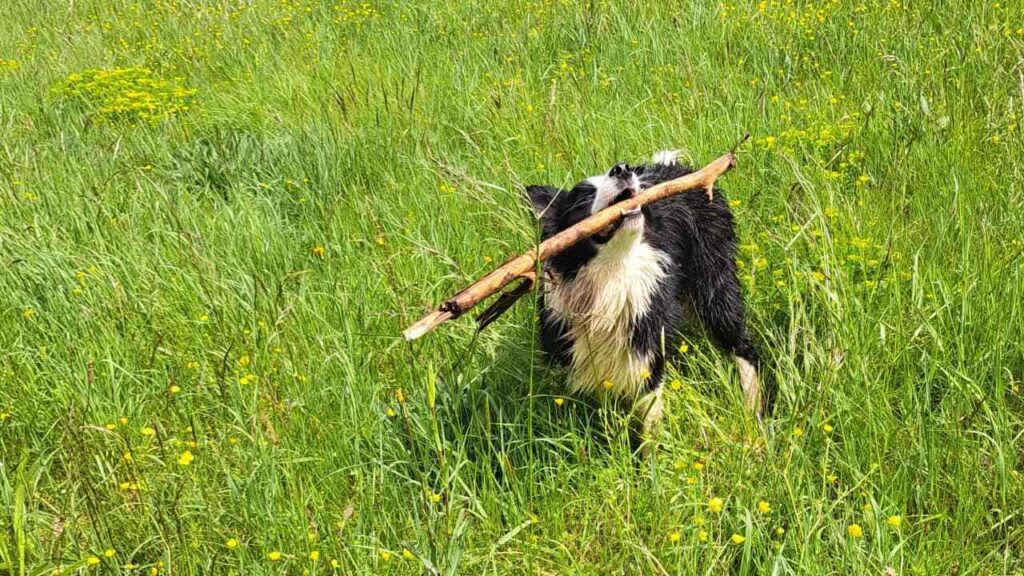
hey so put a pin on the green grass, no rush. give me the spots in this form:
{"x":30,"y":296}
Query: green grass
{"x":879,"y":204}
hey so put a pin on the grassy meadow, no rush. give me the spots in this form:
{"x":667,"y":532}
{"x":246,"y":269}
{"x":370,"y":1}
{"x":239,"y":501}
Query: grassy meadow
{"x":217,"y":217}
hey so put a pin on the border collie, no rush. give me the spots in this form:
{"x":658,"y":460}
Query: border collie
{"x":612,"y":307}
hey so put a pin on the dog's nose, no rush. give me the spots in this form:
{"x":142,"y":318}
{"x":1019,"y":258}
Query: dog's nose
{"x":619,"y":171}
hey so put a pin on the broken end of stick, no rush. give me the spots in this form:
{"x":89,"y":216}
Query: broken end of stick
{"x":426,"y":324}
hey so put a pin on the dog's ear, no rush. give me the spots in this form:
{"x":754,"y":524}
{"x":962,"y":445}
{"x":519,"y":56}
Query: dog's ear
{"x":541,"y":198}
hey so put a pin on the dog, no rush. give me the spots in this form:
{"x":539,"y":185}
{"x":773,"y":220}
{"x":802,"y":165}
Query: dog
{"x":612,"y":307}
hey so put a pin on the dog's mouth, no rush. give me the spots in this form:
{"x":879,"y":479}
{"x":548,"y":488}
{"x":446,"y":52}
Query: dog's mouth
{"x":627,"y":216}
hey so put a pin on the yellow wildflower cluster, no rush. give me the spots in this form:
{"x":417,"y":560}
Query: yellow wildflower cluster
{"x":358,"y":14}
{"x":133,"y":93}
{"x":9,"y":65}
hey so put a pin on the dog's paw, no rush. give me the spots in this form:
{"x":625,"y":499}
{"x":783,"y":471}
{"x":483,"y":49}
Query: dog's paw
{"x":666,"y":157}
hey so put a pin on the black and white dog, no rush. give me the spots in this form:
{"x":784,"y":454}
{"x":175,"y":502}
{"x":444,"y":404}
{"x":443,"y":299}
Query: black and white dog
{"x":612,"y":307}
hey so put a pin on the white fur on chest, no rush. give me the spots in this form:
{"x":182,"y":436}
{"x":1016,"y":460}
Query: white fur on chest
{"x":599,"y":306}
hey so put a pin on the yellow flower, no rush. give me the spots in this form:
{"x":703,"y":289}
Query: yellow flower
{"x":390,"y":413}
{"x":780,"y":531}
{"x":435,"y":498}
{"x":204,"y":318}
{"x":174,"y":389}
{"x":318,"y":251}
{"x":676,"y":384}
{"x":127,"y":456}
{"x":244,"y":360}
{"x":314,"y":555}
{"x":819,"y":276}
{"x":764,"y":507}
{"x":608,"y":384}
{"x":702,"y":535}
{"x":186,"y":458}
{"x":674,"y":537}
{"x":247,"y":379}
{"x":559,"y":401}
{"x":407,"y":554}
{"x":275,"y":556}
{"x":894,"y":521}
{"x":109,"y":552}
{"x":147,"y":431}
{"x":381,"y":240}
{"x":738,"y":539}
{"x":798,"y":431}
{"x":335,"y":564}
{"x":488,"y":259}
{"x":92,"y":560}
{"x":854,"y":530}
{"x":645,"y":374}
{"x":832,"y":478}
{"x":385,"y":555}
{"x":122,"y":421}
{"x":109,"y":426}
{"x":827,"y":428}
{"x":716,"y":505}
{"x":231,"y":544}
{"x":28,"y":313}
{"x":698,"y":465}
{"x":863,"y":179}
{"x":734,"y":203}
{"x":684,"y":348}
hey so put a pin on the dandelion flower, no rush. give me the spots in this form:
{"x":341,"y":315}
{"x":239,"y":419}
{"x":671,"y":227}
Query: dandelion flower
{"x":608,"y":384}
{"x":275,"y":556}
{"x":716,"y":505}
{"x":314,"y":555}
{"x":407,"y":554}
{"x":684,"y":348}
{"x":109,"y":552}
{"x":435,"y":497}
{"x":674,"y":537}
{"x":335,"y":564}
{"x":92,"y":560}
{"x":702,"y":535}
{"x":231,"y":544}
{"x":895,"y":521}
{"x":318,"y":251}
{"x":385,"y":555}
{"x":827,"y":428}
{"x":174,"y":389}
{"x":186,"y":458}
{"x":738,"y":539}
{"x":122,"y":421}
{"x":855,"y":531}
{"x":28,"y":313}
{"x":147,"y":431}
{"x":645,"y":374}
{"x":559,"y":401}
{"x":676,"y":384}
{"x":390,"y":412}
{"x":764,"y":507}
{"x":798,"y":432}
{"x":780,"y":531}
{"x":109,"y":426}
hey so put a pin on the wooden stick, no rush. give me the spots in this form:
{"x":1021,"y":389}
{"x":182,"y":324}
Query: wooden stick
{"x":524,"y":264}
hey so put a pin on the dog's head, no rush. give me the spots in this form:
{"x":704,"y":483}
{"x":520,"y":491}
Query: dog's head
{"x":559,"y":209}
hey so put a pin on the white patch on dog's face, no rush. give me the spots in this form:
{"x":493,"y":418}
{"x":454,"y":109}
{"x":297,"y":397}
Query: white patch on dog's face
{"x":600,"y":305}
{"x":607,"y":188}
